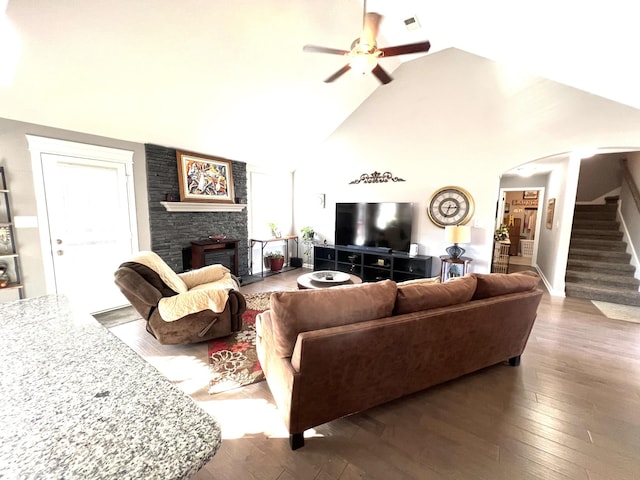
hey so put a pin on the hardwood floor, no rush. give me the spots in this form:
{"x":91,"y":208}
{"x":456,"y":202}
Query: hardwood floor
{"x":571,"y":410}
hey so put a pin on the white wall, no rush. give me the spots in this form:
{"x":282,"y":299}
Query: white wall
{"x":523,"y":183}
{"x":553,"y":243}
{"x":453,"y":118}
{"x":599,"y":175}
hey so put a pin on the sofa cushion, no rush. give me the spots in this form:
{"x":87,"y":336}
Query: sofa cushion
{"x":416,"y":296}
{"x":306,"y":310}
{"x":493,"y":284}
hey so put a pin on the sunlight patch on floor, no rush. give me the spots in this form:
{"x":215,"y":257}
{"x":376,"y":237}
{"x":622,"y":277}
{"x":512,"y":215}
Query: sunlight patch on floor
{"x":187,"y":367}
{"x":245,"y":417}
{"x":187,"y":372}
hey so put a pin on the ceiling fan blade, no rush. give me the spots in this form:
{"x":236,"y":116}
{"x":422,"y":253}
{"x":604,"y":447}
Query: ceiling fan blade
{"x":381,"y":74}
{"x":370,"y":30}
{"x":404,"y":49}
{"x":318,"y":49}
{"x":338,"y":74}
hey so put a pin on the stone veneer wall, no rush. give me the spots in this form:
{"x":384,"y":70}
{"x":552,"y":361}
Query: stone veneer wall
{"x":172,"y":232}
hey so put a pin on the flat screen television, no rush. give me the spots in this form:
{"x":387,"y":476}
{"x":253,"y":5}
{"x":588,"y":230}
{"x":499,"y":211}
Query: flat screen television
{"x":379,"y":225}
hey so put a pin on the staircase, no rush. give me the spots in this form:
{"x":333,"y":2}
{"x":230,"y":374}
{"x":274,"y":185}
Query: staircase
{"x":598,"y":267}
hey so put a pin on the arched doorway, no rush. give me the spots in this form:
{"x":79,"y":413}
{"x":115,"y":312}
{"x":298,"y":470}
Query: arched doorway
{"x":570,"y":182}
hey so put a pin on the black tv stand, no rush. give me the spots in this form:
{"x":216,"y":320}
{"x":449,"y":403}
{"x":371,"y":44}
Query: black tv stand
{"x":367,"y":248}
{"x":372,"y":263}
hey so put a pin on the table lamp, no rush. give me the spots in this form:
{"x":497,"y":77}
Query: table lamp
{"x":457,"y":234}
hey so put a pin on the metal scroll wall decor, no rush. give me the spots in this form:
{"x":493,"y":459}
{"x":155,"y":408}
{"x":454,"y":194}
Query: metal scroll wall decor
{"x":377,"y":177}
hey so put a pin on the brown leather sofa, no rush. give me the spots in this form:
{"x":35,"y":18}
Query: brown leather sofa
{"x":332,"y":352}
{"x":189,"y":307}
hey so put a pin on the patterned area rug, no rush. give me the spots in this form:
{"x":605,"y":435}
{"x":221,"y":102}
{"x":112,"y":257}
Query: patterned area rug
{"x":233,"y":360}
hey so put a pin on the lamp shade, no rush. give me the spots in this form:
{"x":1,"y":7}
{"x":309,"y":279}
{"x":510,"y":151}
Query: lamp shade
{"x":457,"y":234}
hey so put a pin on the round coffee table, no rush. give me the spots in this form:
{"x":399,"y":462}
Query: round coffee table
{"x":306,"y":281}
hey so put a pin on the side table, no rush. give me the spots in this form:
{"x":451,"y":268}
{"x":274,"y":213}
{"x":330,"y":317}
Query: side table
{"x":453,"y":267}
{"x":263,"y":243}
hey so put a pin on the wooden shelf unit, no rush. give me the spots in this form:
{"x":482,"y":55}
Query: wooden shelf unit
{"x":8,"y":247}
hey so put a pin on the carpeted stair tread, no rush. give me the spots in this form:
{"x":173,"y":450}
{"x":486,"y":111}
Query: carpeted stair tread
{"x":594,"y":217}
{"x":604,"y":214}
{"x":598,"y":244}
{"x":603,"y":294}
{"x":590,"y":207}
{"x":596,"y":266}
{"x":599,"y":255}
{"x":583,"y":224}
{"x":595,"y":233}
{"x":624,"y":280}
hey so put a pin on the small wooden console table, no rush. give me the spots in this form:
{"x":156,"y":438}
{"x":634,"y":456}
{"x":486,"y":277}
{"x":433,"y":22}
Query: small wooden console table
{"x":263,"y":243}
{"x":200,"y":248}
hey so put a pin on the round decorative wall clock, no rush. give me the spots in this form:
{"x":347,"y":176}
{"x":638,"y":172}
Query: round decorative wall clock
{"x":450,"y":206}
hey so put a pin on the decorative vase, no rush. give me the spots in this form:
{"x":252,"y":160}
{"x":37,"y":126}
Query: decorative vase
{"x":276,"y":264}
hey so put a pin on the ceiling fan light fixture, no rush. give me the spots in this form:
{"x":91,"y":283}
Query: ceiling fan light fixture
{"x":363,"y":63}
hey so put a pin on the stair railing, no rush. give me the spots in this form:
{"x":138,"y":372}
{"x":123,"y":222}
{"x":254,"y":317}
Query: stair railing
{"x":633,"y":188}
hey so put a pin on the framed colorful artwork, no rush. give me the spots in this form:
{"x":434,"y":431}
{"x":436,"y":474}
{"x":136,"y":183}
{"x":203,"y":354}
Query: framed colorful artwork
{"x":203,"y":178}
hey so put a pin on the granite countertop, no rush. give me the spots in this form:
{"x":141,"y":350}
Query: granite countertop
{"x":77,"y":403}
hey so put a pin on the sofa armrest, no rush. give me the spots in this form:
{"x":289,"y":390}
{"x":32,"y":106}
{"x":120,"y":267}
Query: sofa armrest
{"x":237,"y":302}
{"x":237,"y":306}
{"x":279,"y":373}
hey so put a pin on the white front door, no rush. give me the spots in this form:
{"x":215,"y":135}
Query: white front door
{"x":90,"y":227}
{"x":86,"y":211}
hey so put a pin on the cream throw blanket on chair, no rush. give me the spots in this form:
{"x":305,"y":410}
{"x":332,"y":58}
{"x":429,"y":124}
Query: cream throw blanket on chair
{"x":204,"y":288}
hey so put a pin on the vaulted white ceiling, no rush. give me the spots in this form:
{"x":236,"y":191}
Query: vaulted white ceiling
{"x":230,"y":78}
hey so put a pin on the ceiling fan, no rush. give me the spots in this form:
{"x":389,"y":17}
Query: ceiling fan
{"x":364,"y":53}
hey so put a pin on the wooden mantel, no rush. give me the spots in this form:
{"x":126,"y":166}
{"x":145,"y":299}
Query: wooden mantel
{"x":202,"y":207}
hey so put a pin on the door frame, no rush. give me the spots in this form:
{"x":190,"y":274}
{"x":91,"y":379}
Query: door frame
{"x":44,"y":145}
{"x":500,"y":214}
